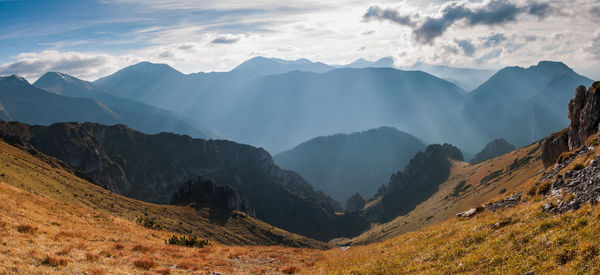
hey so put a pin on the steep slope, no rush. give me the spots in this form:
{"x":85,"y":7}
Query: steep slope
{"x":136,"y":115}
{"x":63,"y":189}
{"x":495,"y":148}
{"x":23,"y":102}
{"x":45,"y":236}
{"x":414,"y":184}
{"x":153,"y":167}
{"x":467,"y":186}
{"x":539,"y":93}
{"x":466,"y":78}
{"x":344,"y":164}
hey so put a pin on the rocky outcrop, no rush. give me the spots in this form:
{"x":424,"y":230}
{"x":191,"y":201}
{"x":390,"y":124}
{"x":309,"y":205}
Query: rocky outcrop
{"x":554,"y":145}
{"x":584,"y":112}
{"x":153,"y":167}
{"x":509,"y":201}
{"x":207,"y":193}
{"x":578,"y":186}
{"x":493,"y":149}
{"x":416,"y":183}
{"x":355,"y":203}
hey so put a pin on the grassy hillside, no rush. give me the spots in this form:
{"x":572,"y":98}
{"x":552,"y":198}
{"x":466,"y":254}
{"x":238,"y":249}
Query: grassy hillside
{"x":44,"y":176}
{"x":509,"y":241}
{"x":467,"y":186}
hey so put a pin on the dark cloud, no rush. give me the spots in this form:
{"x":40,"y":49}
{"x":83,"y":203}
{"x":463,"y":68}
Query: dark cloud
{"x":466,"y":45}
{"x":378,"y":13}
{"x":493,"y":39}
{"x":595,"y":12}
{"x":224,"y":40}
{"x":541,"y":10}
{"x":494,"y":12}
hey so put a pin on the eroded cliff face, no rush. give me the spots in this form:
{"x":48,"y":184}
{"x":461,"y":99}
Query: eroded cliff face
{"x":584,"y":113}
{"x":153,"y":167}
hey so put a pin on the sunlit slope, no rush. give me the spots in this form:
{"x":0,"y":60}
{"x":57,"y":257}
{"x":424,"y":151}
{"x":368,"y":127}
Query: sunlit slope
{"x":467,"y":186}
{"x":516,"y":240}
{"x":39,"y":235}
{"x":44,"y":176}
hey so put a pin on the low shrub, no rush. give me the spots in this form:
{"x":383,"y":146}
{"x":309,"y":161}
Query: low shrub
{"x":148,"y":222}
{"x":290,"y":269}
{"x":189,"y":241}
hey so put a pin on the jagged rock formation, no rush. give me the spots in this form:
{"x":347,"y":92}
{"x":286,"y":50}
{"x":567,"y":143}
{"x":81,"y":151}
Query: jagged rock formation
{"x":345,"y":164}
{"x":356,"y":203}
{"x":417,"y":182}
{"x":207,"y":193}
{"x":584,"y":113}
{"x":509,"y":201}
{"x":495,"y":148}
{"x":152,"y":168}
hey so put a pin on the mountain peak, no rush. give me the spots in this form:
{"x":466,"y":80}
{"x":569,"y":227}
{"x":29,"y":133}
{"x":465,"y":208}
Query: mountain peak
{"x":553,"y":67}
{"x":13,"y":81}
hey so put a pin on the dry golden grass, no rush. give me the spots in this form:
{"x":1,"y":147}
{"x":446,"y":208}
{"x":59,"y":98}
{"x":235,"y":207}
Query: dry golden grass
{"x":442,"y":205}
{"x":98,"y":243}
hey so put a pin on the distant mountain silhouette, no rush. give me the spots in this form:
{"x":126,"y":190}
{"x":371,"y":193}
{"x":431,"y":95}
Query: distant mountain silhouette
{"x":153,"y":168}
{"x":345,"y":164}
{"x":23,"y":102}
{"x":524,"y":104}
{"x":136,"y":115}
{"x":266,"y":66}
{"x":466,"y":78}
{"x":385,"y":62}
{"x":495,"y":148}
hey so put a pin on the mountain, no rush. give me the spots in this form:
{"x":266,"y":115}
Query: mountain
{"x":279,"y":111}
{"x":344,"y":164}
{"x":361,"y":63}
{"x":524,"y":104}
{"x":466,"y":78}
{"x":23,"y":102}
{"x":267,"y":66}
{"x":414,"y":184}
{"x":136,"y":115}
{"x":495,"y":148}
{"x":153,"y":167}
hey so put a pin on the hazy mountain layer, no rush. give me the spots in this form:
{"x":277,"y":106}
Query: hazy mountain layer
{"x":136,"y":115}
{"x":345,"y":164}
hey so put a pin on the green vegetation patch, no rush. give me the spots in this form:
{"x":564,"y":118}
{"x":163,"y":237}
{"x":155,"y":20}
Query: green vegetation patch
{"x":518,"y":163}
{"x":189,"y":241}
{"x":461,"y":187}
{"x":491,"y":176}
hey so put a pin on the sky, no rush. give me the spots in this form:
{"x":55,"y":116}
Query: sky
{"x":93,"y":38}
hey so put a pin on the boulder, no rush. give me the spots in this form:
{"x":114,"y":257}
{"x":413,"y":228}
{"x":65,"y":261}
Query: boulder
{"x":584,"y":112}
{"x":554,"y":145}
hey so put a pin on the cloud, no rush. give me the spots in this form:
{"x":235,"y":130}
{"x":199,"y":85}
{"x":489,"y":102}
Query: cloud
{"x":225,"y":40}
{"x":491,"y":13}
{"x":466,"y":45}
{"x":84,"y":65}
{"x":494,"y":39}
{"x":378,"y":13}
